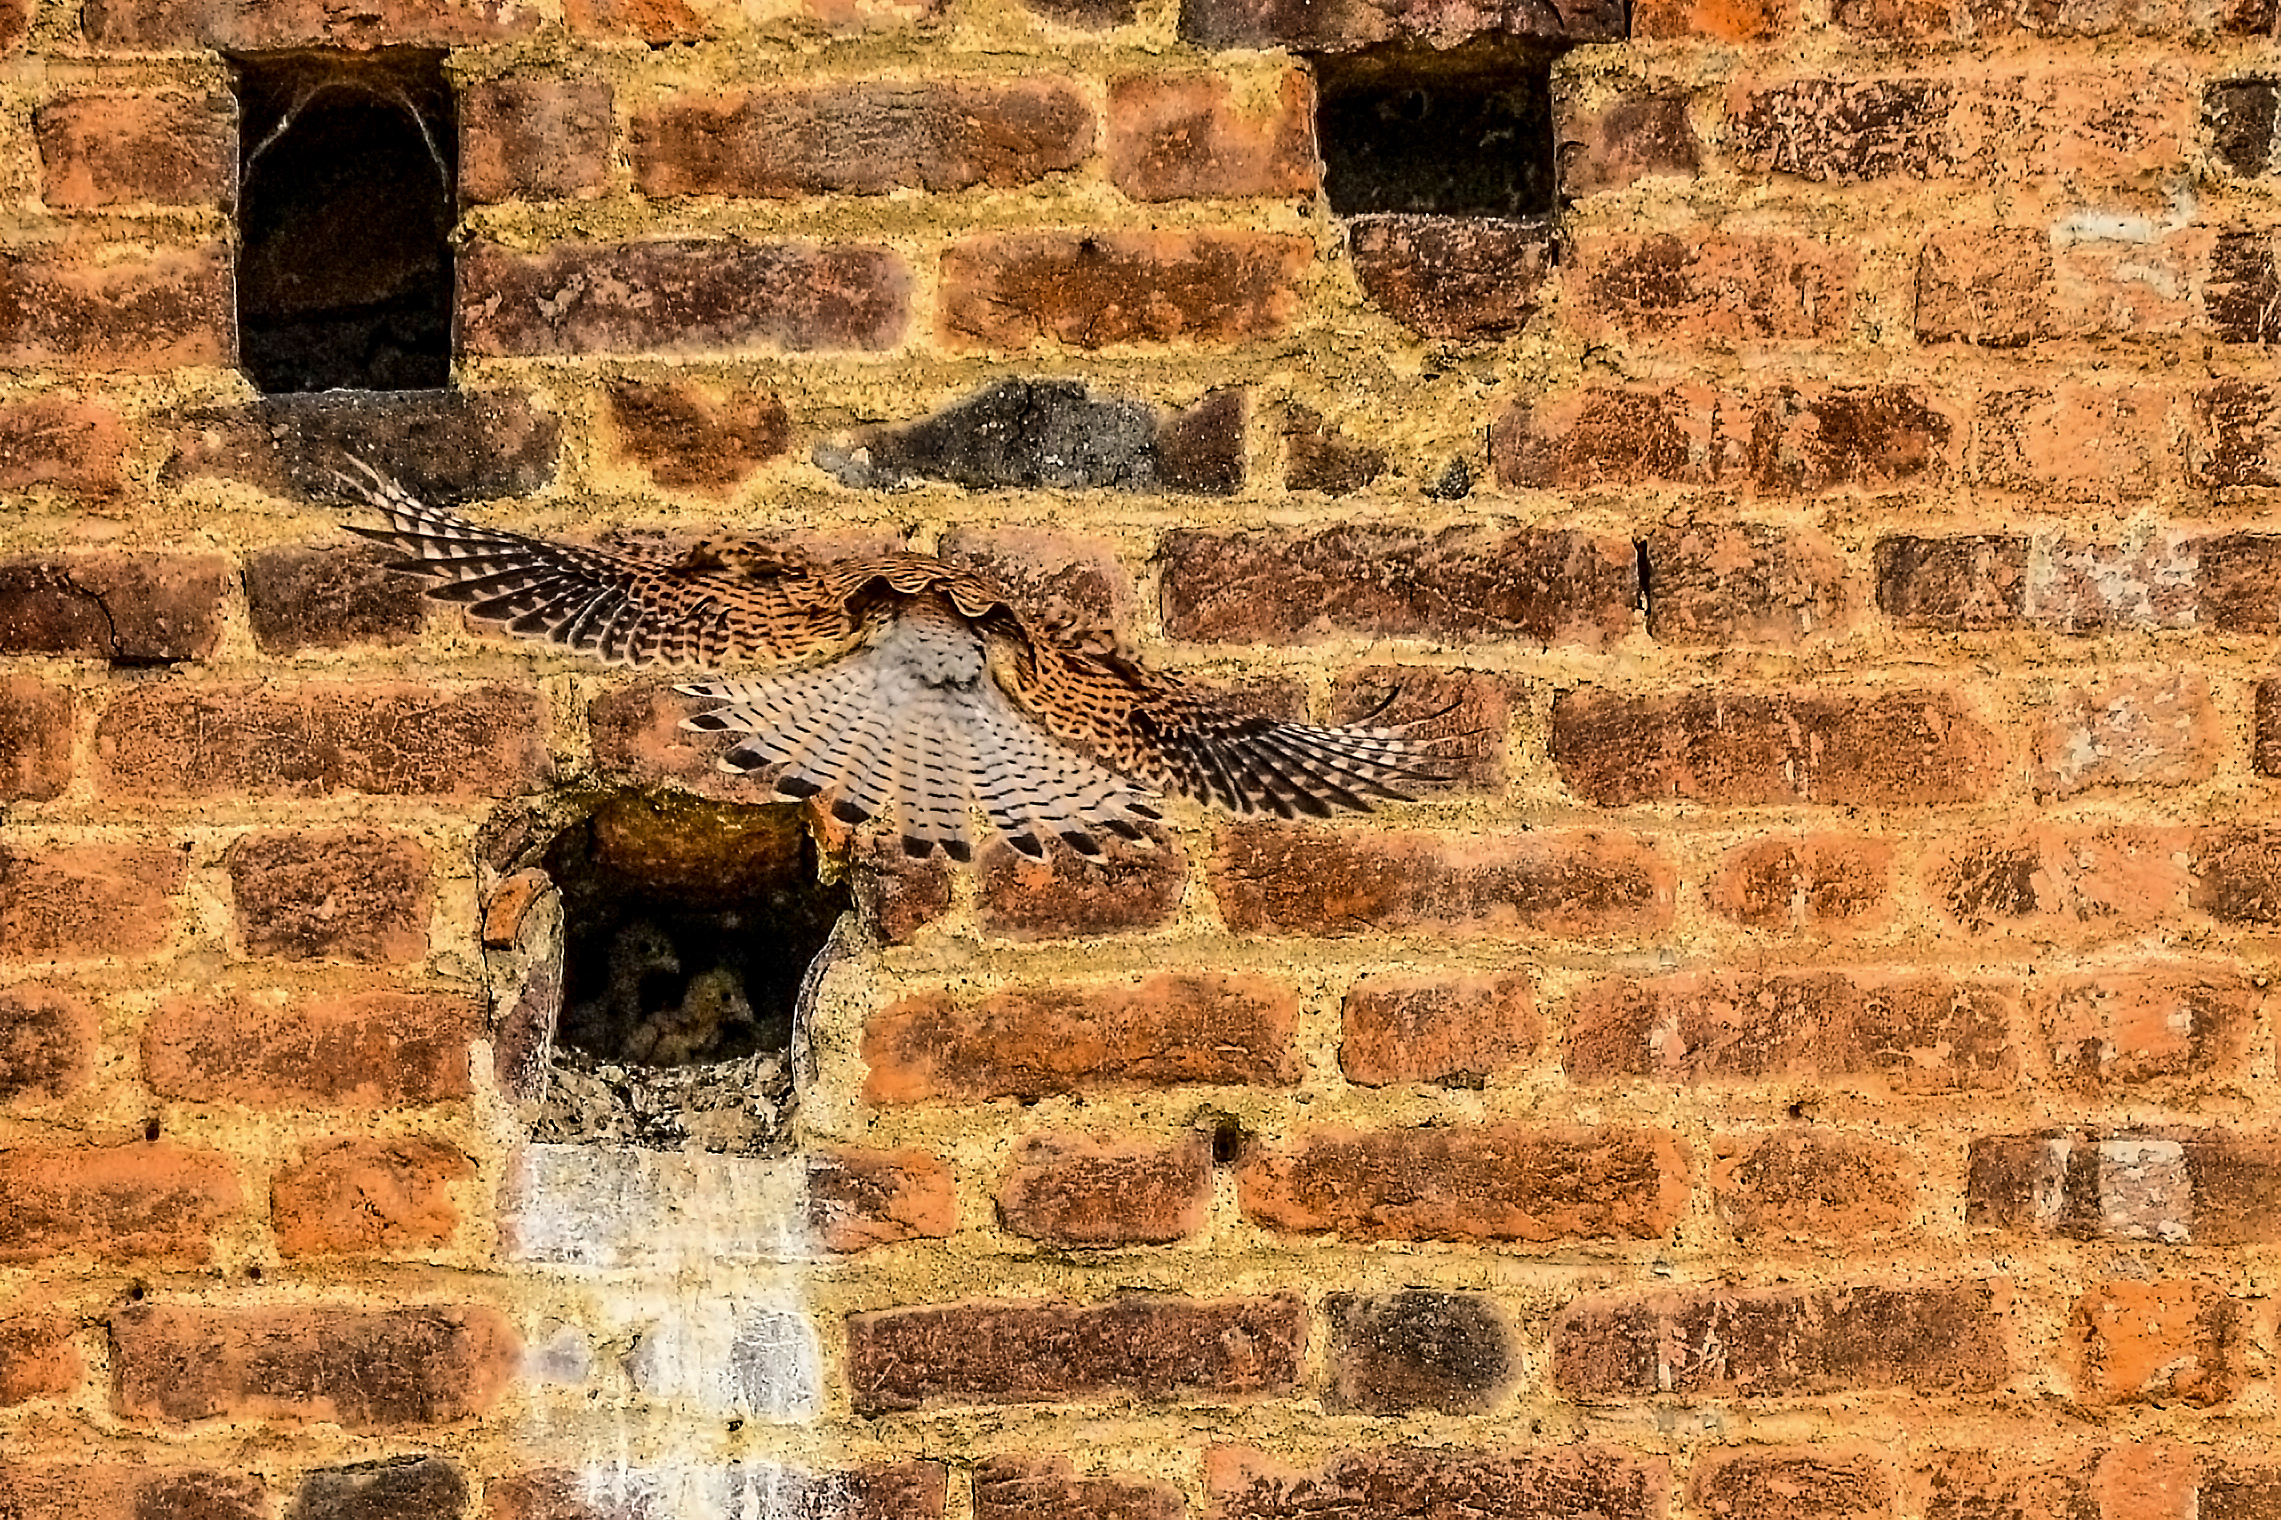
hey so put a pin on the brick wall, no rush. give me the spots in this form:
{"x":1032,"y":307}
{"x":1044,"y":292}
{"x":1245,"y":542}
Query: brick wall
{"x":1812,"y":1060}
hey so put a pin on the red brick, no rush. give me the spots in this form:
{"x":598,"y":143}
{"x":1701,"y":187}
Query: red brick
{"x":1810,"y":1186}
{"x":1608,"y":143}
{"x":1799,"y":1483}
{"x":1394,"y":1352}
{"x":88,"y":901}
{"x":2147,"y":1480}
{"x":638,"y":739}
{"x":1979,"y":1485}
{"x":1457,"y":1031}
{"x":1474,"y":707}
{"x":2156,"y":1342}
{"x":329,"y":596}
{"x":1318,"y":456}
{"x":881,"y":1491}
{"x":1884,"y":748}
{"x":1544,"y":585}
{"x":1077,"y":1191}
{"x":367,"y":1050}
{"x":656,"y":22}
{"x":1403,"y":1482}
{"x":2101,"y":880}
{"x":2175,"y":1186}
{"x":129,"y":1491}
{"x":1472,"y":279}
{"x":119,"y":1202}
{"x":1723,"y":287}
{"x":1305,"y":27}
{"x":1782,"y":1342}
{"x":691,"y":438}
{"x":15,"y":22}
{"x":529,"y":137}
{"x":1128,"y":888}
{"x":861,"y":137}
{"x":2236,"y":875}
{"x":1096,"y":290}
{"x":36,"y":728}
{"x":1470,"y":1183}
{"x":164,"y":308}
{"x":1186,"y":137}
{"x":1953,"y":584}
{"x":1918,"y":1033}
{"x":1715,"y":584}
{"x":1157,"y":1348}
{"x":320,"y":739}
{"x":425,"y":1364}
{"x":358,"y":1197}
{"x":1993,"y":286}
{"x":2128,"y":730}
{"x":897,"y":896}
{"x":136,"y":608}
{"x":1047,"y":1488}
{"x":1046,"y":572}
{"x":68,"y":445}
{"x":147,"y":25}
{"x":1715,"y":20}
{"x":38,"y":1360}
{"x":1828,"y":883}
{"x":2143,"y":1026}
{"x":117,"y":150}
{"x":1166,"y":1031}
{"x":334,"y":894}
{"x":2145,"y":580}
{"x":1279,"y":879}
{"x":679,"y":296}
{"x":2076,"y":442}
{"x":2236,"y":434}
{"x":446,"y":446}
{"x":861,"y":1198}
{"x":47,"y":1043}
{"x":2236,"y":1490}
{"x":2235,"y":584}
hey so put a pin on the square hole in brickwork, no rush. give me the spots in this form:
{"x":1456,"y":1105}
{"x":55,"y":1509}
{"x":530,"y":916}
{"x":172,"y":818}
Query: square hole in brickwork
{"x":1462,"y":132}
{"x":649,"y":955}
{"x":345,"y":219}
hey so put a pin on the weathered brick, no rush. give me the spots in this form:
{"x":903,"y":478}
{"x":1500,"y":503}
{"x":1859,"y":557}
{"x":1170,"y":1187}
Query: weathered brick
{"x":2244,"y":118}
{"x":1780,"y":1342}
{"x":1304,"y":27}
{"x":1802,"y":1483}
{"x":529,"y":137}
{"x":2236,"y":1490}
{"x":1086,"y":15}
{"x":2242,"y":285}
{"x":36,"y":727}
{"x":1457,"y":1031}
{"x":1078,"y":1191}
{"x":1547,"y":585}
{"x":1610,"y":143}
{"x":1883,"y":748}
{"x":1829,"y":883}
{"x":679,"y":296}
{"x":129,"y":1491}
{"x":47,"y":1042}
{"x":1277,"y":879}
{"x":333,"y":894}
{"x":1980,"y":1485}
{"x":1166,"y":1031}
{"x":1954,"y":584}
{"x":1810,"y":1186}
{"x":1152,"y":1347}
{"x":366,"y":1050}
{"x":2236,"y":434}
{"x":172,"y":24}
{"x":1726,"y":287}
{"x":163,"y":308}
{"x":1317,"y":456}
{"x":2147,"y":579}
{"x":120,"y":149}
{"x":88,"y":901}
{"x":1187,"y":137}
{"x":895,"y":895}
{"x":1916,"y":1033}
{"x":691,"y":438}
{"x":1127,"y":888}
{"x":133,"y":608}
{"x":2128,"y":730}
{"x":2075,"y":442}
{"x":880,"y":1491}
{"x":1994,"y":286}
{"x":386,"y":738}
{"x":2236,"y":875}
{"x":2237,"y":582}
{"x":860,"y":1198}
{"x":1742,"y":583}
{"x":1393,"y":1352}
{"x":1046,"y":1488}
{"x":1715,"y":20}
{"x":2174,"y":1187}
{"x":2155,"y":1342}
{"x":422,"y":1364}
{"x":1095,"y":290}
{"x":2043,"y":879}
{"x":119,"y":1202}
{"x":863,"y":137}
{"x":329,"y":596}
{"x":1471,"y":1183}
{"x":1047,"y":572}
{"x":1401,"y":1482}
{"x":2141,"y":1026}
{"x":656,"y":22}
{"x":393,"y":1488}
{"x":38,"y":1360}
{"x":1474,"y":279}
{"x":444,"y":447}
{"x":68,"y":445}
{"x":359,"y":1197}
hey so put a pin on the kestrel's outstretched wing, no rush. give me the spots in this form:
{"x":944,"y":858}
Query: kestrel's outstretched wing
{"x":919,"y":690}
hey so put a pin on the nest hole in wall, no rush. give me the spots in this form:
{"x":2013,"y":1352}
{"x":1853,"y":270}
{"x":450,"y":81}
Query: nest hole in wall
{"x":347,"y":198}
{"x":1461,"y":132}
{"x":650,"y":989}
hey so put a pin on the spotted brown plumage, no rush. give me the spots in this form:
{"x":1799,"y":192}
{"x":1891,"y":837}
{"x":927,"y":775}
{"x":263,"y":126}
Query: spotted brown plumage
{"x":913,"y":690}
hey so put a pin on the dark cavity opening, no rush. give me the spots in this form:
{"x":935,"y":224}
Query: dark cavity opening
{"x":1465,"y":132}
{"x":688,"y":930}
{"x":345,"y":219}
